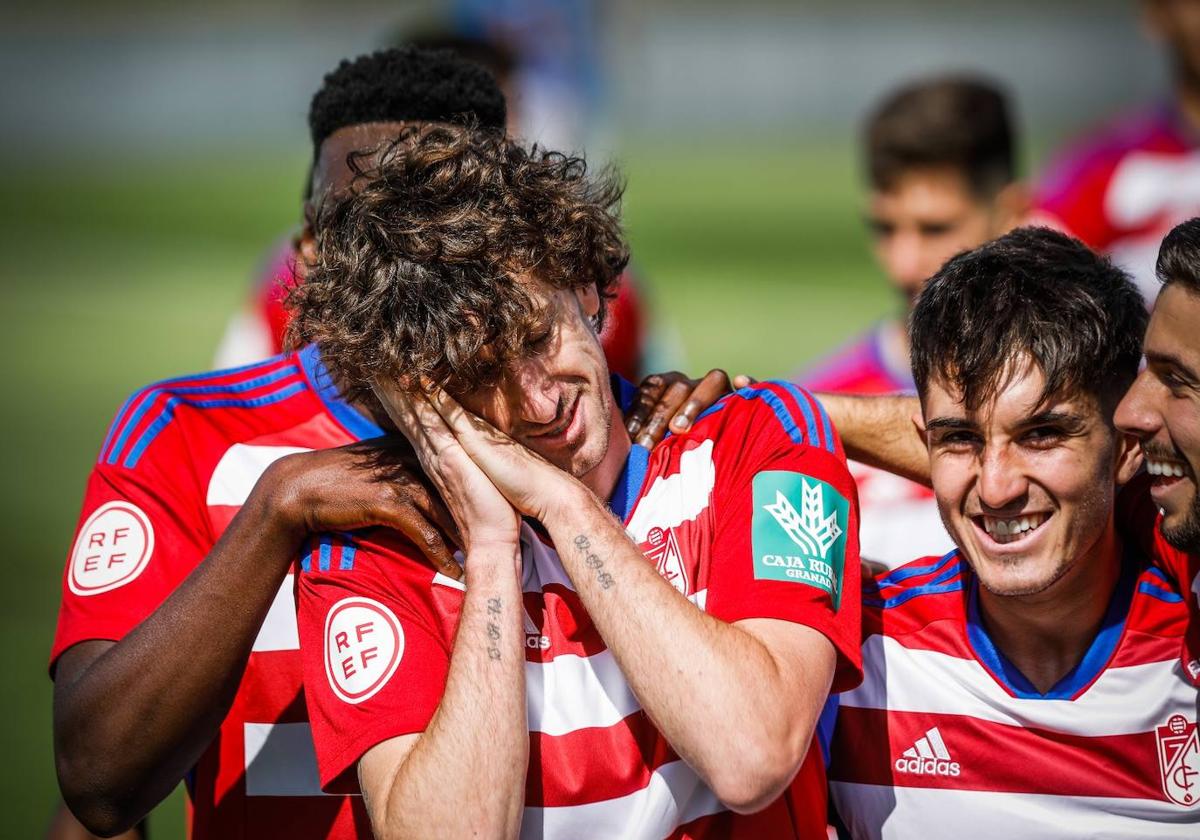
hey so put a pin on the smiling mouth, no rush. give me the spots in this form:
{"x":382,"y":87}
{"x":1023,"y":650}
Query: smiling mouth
{"x":1167,"y":468}
{"x":1010,"y":529}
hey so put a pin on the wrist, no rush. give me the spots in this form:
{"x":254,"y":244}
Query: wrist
{"x":278,"y":501}
{"x":573,"y":501}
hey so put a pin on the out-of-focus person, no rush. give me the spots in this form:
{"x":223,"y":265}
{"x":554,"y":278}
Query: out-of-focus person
{"x":940,"y":157}
{"x":256,"y":331}
{"x":1123,"y":186}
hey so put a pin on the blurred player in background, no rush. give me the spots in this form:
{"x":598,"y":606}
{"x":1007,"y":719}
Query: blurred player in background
{"x":1121,"y":188}
{"x":256,"y":332}
{"x":940,"y":158}
{"x":1028,"y":683}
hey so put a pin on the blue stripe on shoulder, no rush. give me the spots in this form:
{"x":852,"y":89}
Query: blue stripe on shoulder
{"x":146,"y":396}
{"x":906,"y":595}
{"x":168,"y":412}
{"x":905,"y":572}
{"x":1148,"y":588}
{"x":812,"y":418}
{"x":782,"y":413}
{"x":349,"y":549}
{"x":1158,"y":573}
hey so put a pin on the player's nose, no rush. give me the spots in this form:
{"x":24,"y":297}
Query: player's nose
{"x":1137,"y":413}
{"x":1002,"y":483}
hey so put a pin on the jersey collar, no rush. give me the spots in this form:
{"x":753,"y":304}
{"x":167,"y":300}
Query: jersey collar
{"x":353,"y":420}
{"x":1098,"y":654}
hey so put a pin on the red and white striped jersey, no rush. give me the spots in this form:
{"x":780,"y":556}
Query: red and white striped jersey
{"x":749,"y":515}
{"x":178,"y":463}
{"x":946,"y":739}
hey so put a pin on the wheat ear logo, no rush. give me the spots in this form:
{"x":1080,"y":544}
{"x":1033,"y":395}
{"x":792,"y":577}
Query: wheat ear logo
{"x":805,"y":545}
{"x":814,"y":532}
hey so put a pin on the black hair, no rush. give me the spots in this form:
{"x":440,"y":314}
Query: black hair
{"x":1179,"y":256}
{"x":406,"y":84}
{"x":494,"y":54}
{"x":1032,"y":292}
{"x":951,"y":121}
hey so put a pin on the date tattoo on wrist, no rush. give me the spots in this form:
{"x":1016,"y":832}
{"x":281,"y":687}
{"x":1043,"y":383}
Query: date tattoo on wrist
{"x":593,"y":561}
{"x":494,"y":606}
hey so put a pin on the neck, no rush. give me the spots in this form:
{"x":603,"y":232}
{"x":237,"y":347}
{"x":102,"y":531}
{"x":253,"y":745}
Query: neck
{"x":1047,"y":634}
{"x":602,"y":479}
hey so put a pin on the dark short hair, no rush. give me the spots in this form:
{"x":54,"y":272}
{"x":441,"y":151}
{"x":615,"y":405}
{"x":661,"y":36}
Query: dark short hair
{"x":945,"y":121}
{"x":405,"y":84}
{"x":1179,"y":256}
{"x":1032,"y":292}
{"x":417,"y":272}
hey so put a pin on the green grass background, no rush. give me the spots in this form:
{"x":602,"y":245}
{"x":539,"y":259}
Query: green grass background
{"x":117,"y":273}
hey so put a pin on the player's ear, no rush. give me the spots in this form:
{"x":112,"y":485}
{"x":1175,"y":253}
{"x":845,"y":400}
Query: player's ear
{"x":1128,"y":456}
{"x":918,"y":421}
{"x":589,"y":301}
{"x":1012,"y":204}
{"x":306,"y":244}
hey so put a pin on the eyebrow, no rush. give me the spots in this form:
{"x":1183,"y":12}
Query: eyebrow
{"x":948,"y":423}
{"x":1063,"y":418}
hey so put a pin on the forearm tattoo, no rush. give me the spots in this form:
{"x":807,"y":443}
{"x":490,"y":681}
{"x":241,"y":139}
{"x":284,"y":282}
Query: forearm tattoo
{"x":494,"y":607}
{"x":593,"y":561}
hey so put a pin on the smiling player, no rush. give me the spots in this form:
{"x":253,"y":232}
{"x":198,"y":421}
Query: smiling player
{"x":590,"y":678}
{"x":1029,"y":682}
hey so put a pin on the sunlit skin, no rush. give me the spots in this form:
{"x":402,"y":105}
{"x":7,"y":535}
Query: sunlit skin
{"x":557,"y":400}
{"x":1054,"y":466}
{"x":928,"y":216}
{"x":1162,"y":409}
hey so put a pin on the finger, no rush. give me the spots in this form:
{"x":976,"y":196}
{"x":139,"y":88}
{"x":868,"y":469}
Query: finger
{"x":712,"y":387}
{"x":744,"y":381}
{"x":428,"y":539}
{"x":431,"y":506}
{"x":648,"y":395}
{"x":656,"y":426}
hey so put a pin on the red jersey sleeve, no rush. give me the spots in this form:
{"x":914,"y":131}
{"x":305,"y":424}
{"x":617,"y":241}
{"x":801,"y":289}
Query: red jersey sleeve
{"x":140,"y":533}
{"x":375,"y":647}
{"x":786,"y":535}
{"x":1139,"y":522}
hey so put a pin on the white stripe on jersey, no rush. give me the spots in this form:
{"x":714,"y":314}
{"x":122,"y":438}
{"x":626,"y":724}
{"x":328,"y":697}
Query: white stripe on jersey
{"x":674,"y":796}
{"x":676,"y":498}
{"x":1127,"y":700}
{"x":239,"y":470}
{"x":279,"y":631}
{"x":576,"y":692}
{"x":280,"y":760}
{"x":935,"y":814}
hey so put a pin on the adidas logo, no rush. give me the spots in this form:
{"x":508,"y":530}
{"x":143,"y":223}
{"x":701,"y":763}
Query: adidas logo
{"x":928,"y":757}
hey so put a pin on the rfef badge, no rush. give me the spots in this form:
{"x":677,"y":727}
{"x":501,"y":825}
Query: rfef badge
{"x":798,"y":531}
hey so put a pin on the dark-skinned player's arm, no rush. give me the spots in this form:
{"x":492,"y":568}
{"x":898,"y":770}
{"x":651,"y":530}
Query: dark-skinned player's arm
{"x":691,"y":688}
{"x":132,"y":716}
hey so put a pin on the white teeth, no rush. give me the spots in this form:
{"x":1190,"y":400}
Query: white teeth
{"x":1012,"y":527}
{"x":1172,"y":468}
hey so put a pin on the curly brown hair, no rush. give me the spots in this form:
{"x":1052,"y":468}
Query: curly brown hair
{"x":418,"y":274}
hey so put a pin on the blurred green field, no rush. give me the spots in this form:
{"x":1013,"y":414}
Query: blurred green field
{"x":113,"y":274}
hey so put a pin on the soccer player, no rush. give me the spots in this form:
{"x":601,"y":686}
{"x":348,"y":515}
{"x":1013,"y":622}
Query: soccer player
{"x":1121,"y":188}
{"x":940,"y":159}
{"x":590,"y":676}
{"x":257,"y":330}
{"x":1162,"y":410}
{"x":176,"y":653}
{"x":1029,"y":682}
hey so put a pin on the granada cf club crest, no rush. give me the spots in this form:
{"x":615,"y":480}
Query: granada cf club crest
{"x":662,"y":549}
{"x":1179,"y":760}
